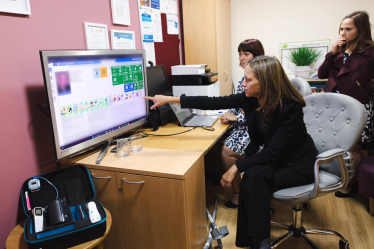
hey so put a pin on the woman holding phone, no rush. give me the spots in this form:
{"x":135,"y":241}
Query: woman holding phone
{"x":349,"y":68}
{"x":273,"y":109}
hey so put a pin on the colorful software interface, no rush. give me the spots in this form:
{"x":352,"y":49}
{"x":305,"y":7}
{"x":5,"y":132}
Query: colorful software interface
{"x":96,"y":95}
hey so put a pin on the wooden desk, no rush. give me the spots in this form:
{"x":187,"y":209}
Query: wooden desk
{"x":196,"y":140}
{"x":166,"y":208}
{"x":16,"y":240}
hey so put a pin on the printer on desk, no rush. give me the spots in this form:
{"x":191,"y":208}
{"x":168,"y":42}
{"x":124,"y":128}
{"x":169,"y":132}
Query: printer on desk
{"x":194,"y":80}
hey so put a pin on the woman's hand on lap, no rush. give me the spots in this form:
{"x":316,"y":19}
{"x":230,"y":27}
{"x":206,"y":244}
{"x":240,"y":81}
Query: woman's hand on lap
{"x":228,"y":177}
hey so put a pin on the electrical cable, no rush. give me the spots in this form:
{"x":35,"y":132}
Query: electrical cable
{"x":39,"y":177}
{"x":167,"y":135}
{"x":40,"y":107}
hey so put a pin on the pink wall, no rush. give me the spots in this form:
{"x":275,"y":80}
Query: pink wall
{"x":26,"y":141}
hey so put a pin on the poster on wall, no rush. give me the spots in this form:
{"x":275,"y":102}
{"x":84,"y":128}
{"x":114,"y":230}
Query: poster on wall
{"x":145,"y":3}
{"x":15,"y":6}
{"x":285,"y":51}
{"x":155,"y":4}
{"x":120,"y":12}
{"x":122,"y":39}
{"x":96,"y":36}
{"x":146,"y":25}
{"x":172,"y":22}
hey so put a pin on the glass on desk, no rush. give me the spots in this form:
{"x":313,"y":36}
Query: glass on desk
{"x":136,"y":143}
{"x":123,"y":147}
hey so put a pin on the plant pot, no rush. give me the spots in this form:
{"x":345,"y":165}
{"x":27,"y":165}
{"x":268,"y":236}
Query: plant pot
{"x":303,"y":72}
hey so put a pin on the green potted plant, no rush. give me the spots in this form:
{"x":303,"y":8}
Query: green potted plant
{"x":303,"y":57}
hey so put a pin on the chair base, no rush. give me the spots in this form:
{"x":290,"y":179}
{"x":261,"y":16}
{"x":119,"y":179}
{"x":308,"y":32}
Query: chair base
{"x":298,"y":231}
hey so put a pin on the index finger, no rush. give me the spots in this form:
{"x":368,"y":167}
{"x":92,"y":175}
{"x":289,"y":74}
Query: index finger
{"x":149,"y":98}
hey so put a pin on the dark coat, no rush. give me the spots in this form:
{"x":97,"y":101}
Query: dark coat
{"x":354,"y":78}
{"x":289,"y":139}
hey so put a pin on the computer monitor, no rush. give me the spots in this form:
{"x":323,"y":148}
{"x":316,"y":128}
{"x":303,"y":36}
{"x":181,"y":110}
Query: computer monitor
{"x":157,"y":81}
{"x":93,"y":96}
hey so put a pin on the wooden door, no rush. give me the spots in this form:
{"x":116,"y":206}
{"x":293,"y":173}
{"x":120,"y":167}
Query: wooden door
{"x":106,"y":192}
{"x":223,"y":34}
{"x":152,"y":212}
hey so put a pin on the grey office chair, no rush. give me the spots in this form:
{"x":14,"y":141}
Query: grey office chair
{"x":335,"y":122}
{"x":302,"y":86}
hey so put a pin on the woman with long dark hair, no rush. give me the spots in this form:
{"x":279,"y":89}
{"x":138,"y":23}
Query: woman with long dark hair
{"x":281,"y":153}
{"x":234,"y":146}
{"x":349,"y":68}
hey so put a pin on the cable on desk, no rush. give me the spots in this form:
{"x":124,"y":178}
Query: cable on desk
{"x":167,"y":135}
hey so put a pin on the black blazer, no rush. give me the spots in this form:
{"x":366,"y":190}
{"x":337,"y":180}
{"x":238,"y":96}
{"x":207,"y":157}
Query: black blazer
{"x":289,"y":140}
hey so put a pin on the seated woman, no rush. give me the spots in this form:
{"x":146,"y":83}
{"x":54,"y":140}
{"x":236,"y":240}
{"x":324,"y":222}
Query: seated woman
{"x":234,"y":146}
{"x":274,"y":112}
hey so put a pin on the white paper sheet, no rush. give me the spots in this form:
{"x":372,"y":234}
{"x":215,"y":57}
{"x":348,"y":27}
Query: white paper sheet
{"x":149,"y":52}
{"x":164,"y":6}
{"x":173,"y":25}
{"x":123,"y":39}
{"x":173,"y":7}
{"x":157,"y":26}
{"x":121,"y":12}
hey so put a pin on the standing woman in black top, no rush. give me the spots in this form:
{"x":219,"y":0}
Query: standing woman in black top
{"x":281,"y":153}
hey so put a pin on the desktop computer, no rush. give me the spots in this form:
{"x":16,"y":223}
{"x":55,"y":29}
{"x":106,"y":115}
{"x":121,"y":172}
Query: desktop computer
{"x":93,"y":96}
{"x":158,"y":85}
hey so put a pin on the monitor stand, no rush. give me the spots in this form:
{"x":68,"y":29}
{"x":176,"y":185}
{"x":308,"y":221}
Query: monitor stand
{"x":103,"y":152}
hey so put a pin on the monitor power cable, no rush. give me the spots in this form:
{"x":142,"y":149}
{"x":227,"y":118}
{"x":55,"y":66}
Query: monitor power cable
{"x":168,"y":135}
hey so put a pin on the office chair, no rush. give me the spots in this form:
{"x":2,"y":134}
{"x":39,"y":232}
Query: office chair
{"x":302,"y":86}
{"x":335,"y":122}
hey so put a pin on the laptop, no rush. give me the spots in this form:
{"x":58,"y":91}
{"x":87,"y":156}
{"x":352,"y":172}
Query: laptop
{"x":187,"y":119}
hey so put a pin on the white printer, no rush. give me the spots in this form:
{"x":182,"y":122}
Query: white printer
{"x":194,"y":80}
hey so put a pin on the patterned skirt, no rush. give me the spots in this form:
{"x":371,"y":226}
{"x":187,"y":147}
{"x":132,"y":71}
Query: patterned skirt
{"x":238,"y":140}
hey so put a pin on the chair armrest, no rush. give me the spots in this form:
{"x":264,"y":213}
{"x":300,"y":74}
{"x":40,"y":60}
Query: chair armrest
{"x":330,"y":153}
{"x":328,"y":157}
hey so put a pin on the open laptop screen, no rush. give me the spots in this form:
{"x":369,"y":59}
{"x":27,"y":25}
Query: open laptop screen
{"x":183,"y":115}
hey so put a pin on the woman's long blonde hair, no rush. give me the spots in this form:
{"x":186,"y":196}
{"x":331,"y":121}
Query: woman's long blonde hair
{"x":275,"y":87}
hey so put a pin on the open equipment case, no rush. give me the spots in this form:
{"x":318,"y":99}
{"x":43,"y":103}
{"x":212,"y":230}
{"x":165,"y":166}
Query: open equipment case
{"x":74,"y":186}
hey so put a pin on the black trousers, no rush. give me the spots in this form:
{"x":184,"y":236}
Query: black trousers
{"x":256,"y":188}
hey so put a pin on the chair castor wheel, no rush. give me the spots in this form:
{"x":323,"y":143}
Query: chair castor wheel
{"x":343,"y":244}
{"x":306,"y":205}
{"x":272,"y":212}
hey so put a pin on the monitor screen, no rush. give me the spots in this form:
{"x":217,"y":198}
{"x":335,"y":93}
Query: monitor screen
{"x":93,"y":96}
{"x":157,"y":81}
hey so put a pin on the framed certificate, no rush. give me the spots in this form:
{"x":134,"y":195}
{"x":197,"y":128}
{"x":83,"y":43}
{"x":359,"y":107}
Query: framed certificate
{"x":122,"y":39}
{"x":120,"y":12}
{"x":96,"y":36}
{"x":15,"y":6}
